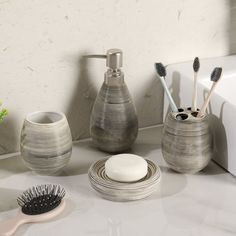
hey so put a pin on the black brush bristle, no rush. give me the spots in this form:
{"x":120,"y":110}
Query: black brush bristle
{"x":41,"y":199}
{"x":196,"y":64}
{"x":161,"y":70}
{"x":216,"y":74}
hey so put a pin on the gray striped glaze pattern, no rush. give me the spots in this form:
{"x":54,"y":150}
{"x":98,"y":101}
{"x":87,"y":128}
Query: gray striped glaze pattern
{"x":187,"y":145}
{"x":114,"y":123}
{"x":123,"y":191}
{"x":46,"y":143}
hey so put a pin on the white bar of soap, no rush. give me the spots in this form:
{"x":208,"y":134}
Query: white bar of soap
{"x":126,"y":167}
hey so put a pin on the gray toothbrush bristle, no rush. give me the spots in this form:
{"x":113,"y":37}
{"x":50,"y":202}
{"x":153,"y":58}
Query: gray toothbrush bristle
{"x":216,"y":74}
{"x":161,"y":70}
{"x":196,"y":64}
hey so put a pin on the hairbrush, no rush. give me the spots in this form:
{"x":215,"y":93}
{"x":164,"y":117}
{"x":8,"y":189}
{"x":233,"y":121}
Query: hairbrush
{"x":39,"y":203}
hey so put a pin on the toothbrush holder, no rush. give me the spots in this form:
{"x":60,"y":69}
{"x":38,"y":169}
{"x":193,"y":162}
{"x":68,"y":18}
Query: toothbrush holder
{"x":46,"y":143}
{"x":187,"y":144}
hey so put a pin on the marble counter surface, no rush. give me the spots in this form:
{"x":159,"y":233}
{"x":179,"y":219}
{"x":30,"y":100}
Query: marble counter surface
{"x":201,"y":204}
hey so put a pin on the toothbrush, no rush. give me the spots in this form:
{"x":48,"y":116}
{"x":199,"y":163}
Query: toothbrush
{"x":161,"y":71}
{"x":196,"y":66}
{"x":215,"y":77}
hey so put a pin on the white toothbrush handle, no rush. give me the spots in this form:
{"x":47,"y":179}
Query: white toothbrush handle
{"x":205,"y":105}
{"x":8,"y":227}
{"x":194,"y":99}
{"x":171,"y":101}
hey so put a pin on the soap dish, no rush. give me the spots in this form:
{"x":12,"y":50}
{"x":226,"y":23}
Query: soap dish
{"x":123,"y":191}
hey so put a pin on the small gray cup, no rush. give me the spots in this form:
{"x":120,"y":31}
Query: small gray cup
{"x":46,"y":143}
{"x":187,"y":144}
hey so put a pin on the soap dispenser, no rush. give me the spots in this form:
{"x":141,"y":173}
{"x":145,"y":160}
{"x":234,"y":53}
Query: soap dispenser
{"x":113,"y":122}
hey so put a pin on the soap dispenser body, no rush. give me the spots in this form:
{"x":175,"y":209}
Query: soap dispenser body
{"x":114,"y":123}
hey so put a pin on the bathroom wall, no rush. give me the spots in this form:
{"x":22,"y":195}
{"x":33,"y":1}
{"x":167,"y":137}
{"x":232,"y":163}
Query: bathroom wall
{"x":232,"y":27}
{"x":42,"y":44}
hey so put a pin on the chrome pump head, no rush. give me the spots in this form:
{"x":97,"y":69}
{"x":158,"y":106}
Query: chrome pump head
{"x":114,"y":58}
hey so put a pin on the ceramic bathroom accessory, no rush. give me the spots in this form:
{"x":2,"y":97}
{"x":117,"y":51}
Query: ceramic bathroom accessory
{"x":46,"y":142}
{"x":123,"y":191}
{"x":187,"y":145}
{"x":113,"y":123}
{"x":222,"y":107}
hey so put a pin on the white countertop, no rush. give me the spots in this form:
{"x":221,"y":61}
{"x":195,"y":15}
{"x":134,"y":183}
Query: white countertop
{"x":201,"y":204}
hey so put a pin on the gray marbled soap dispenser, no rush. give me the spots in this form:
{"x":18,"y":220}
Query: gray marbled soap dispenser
{"x":113,"y":123}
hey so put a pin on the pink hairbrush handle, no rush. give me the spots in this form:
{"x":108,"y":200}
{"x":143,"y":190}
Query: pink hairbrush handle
{"x":7,"y":228}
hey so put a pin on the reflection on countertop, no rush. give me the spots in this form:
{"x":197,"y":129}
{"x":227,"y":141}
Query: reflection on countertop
{"x":203,"y":203}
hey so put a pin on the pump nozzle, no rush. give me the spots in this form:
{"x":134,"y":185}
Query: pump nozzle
{"x":114,"y":58}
